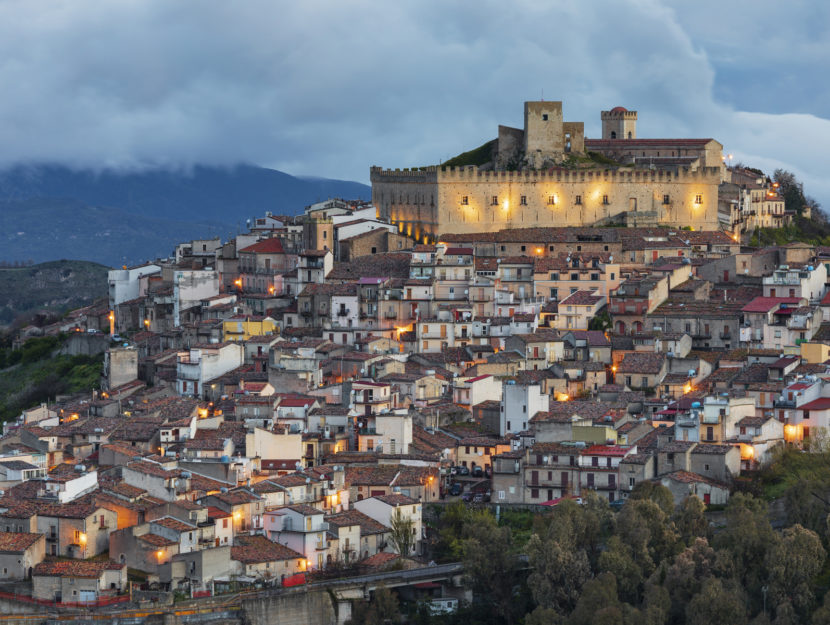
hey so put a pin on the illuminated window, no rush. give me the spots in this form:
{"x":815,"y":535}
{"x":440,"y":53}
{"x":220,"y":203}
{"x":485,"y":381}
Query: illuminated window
{"x":698,"y":199}
{"x":465,"y":201}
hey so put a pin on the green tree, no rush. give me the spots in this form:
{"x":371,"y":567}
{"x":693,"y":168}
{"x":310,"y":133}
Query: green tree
{"x":745,"y":541}
{"x":599,"y":603}
{"x":715,"y":604}
{"x":684,"y":578}
{"x":402,"y":534}
{"x":490,"y":566}
{"x":382,"y":609}
{"x":690,"y":520}
{"x":617,"y":559}
{"x":657,"y":493}
{"x":648,"y":533}
{"x":792,"y":562}
{"x":559,"y":568}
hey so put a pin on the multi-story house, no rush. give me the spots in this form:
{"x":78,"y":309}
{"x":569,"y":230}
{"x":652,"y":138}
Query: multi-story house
{"x":260,"y":263}
{"x":577,"y":309}
{"x":559,"y":276}
{"x":520,"y":402}
{"x":806,"y":282}
{"x":551,"y":471}
{"x":302,"y":528}
{"x":636,"y":297}
{"x":721,"y":414}
{"x":600,"y":469}
{"x":203,"y":363}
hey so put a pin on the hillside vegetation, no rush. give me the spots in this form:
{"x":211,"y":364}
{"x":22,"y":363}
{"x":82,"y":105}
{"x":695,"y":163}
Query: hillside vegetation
{"x":32,"y":375}
{"x":802,"y":229}
{"x":56,"y":286}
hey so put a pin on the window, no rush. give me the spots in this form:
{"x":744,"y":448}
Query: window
{"x":578,"y":200}
{"x":551,"y":249}
{"x":552,"y":200}
{"x":494,"y":201}
{"x":544,"y":117}
{"x":666,"y":199}
{"x":554,"y":293}
{"x":554,"y":276}
{"x":605,"y":199}
{"x":534,"y":493}
{"x":502,"y":248}
{"x":698,"y":199}
{"x":594,"y":277}
{"x":523,"y":247}
{"x":574,"y":276}
{"x":523,"y":200}
{"x":465,"y":200}
{"x":631,"y":481}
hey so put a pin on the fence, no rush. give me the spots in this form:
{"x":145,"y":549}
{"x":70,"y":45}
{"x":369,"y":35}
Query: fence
{"x":98,"y":603}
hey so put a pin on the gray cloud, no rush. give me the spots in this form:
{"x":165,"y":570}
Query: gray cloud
{"x":328,"y":88}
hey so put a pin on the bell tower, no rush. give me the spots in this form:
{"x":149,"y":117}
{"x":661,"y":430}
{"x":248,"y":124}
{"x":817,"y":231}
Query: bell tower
{"x":619,"y":123}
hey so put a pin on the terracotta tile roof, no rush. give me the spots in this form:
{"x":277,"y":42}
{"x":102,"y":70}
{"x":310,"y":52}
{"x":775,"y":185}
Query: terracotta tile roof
{"x":380,"y":560}
{"x":368,"y":526}
{"x":266,"y":246}
{"x":75,"y":568}
{"x":174,"y":524}
{"x":396,"y":500}
{"x":17,"y":542}
{"x":254,"y":549}
{"x":156,"y":540}
{"x":641,"y":362}
{"x":581,"y":298}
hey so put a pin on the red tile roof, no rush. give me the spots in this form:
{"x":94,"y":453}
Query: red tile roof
{"x":76,"y":568}
{"x":17,"y":542}
{"x":266,"y":246}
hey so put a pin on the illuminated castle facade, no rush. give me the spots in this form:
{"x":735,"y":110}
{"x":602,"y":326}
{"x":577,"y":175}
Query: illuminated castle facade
{"x":548,"y":174}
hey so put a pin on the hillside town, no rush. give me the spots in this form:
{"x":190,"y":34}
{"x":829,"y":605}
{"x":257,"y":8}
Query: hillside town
{"x":282,"y":403}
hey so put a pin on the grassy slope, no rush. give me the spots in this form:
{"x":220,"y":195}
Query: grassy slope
{"x":32,"y":375}
{"x":805,"y":230}
{"x":58,"y":285}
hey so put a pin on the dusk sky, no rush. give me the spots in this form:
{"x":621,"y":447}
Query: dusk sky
{"x":330,"y":88}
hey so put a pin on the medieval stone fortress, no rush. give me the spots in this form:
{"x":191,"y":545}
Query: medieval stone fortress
{"x":549,"y":174}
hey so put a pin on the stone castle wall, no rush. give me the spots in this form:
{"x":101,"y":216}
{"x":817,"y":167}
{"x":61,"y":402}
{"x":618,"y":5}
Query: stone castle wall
{"x":428,"y":202}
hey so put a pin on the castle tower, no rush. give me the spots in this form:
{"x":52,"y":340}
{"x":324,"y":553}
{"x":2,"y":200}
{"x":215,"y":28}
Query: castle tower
{"x":619,"y":123}
{"x":543,"y":137}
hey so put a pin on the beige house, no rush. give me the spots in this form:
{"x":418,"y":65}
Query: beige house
{"x":20,"y":552}
{"x":577,"y":310}
{"x":78,"y":582}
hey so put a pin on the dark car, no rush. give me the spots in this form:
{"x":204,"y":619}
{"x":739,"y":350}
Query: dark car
{"x":455,"y":489}
{"x":478,"y":472}
{"x":462,"y":471}
{"x":468,"y":496}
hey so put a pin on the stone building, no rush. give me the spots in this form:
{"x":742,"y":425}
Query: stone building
{"x":654,"y":181}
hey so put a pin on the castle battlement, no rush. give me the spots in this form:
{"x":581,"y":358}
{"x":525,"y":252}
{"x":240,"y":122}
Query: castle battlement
{"x":471,"y":173}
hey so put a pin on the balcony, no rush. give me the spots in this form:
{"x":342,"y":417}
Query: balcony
{"x":725,"y":336}
{"x":343,"y":312}
{"x":321,"y":545}
{"x":784,"y":403}
{"x":390,"y":314}
{"x":323,"y":312}
{"x":367,"y":432}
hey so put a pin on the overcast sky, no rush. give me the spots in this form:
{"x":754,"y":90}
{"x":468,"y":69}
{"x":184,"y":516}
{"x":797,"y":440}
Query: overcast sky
{"x":330,"y":88}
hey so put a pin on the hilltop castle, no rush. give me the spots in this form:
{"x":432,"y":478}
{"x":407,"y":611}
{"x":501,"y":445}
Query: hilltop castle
{"x":549,"y":174}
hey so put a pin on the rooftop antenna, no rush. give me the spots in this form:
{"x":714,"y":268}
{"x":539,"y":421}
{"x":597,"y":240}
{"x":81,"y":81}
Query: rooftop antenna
{"x":543,"y":94}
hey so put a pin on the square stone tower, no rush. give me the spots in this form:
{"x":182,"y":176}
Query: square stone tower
{"x":544,"y":138}
{"x":619,"y":123}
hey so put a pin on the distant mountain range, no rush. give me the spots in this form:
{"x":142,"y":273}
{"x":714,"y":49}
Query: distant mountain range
{"x":112,"y":217}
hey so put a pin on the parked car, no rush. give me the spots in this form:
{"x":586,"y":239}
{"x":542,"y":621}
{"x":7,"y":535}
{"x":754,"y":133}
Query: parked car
{"x":478,"y":472}
{"x":456,"y":489}
{"x":462,"y":470}
{"x":468,"y":496}
{"x":618,"y":504}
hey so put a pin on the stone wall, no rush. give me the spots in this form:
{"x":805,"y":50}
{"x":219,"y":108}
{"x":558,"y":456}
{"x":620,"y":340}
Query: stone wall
{"x":434,"y":201}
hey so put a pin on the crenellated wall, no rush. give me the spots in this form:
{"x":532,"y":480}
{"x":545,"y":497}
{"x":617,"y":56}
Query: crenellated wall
{"x":434,"y":200}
